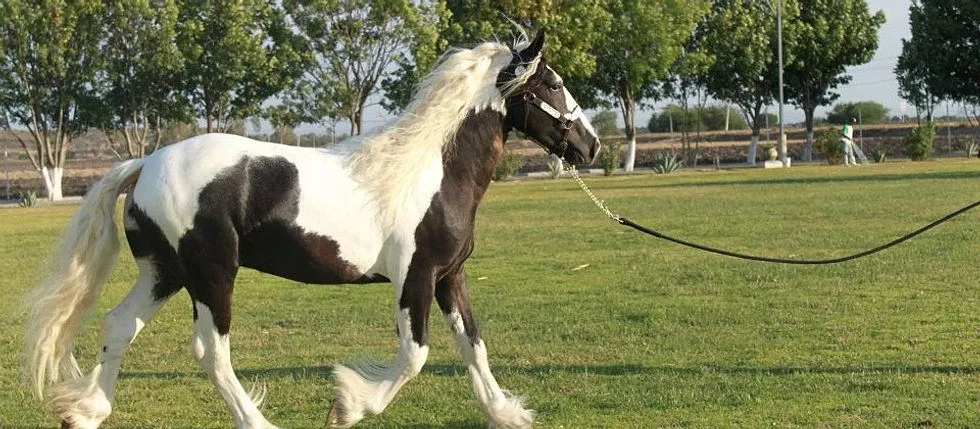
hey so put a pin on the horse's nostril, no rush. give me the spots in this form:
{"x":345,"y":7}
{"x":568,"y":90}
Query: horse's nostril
{"x":595,"y":149}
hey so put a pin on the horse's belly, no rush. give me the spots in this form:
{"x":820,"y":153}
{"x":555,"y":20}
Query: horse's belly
{"x":288,"y":251}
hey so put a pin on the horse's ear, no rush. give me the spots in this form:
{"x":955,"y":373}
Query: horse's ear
{"x":534,"y":48}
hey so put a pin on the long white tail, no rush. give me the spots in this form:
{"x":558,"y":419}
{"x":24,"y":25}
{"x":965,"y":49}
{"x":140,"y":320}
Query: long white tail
{"x":77,"y":273}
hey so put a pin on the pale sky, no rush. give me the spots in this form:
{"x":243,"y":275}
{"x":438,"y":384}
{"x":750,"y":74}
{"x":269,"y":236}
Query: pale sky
{"x":874,"y":81}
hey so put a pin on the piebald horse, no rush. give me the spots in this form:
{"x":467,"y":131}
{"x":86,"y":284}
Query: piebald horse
{"x":396,"y":206}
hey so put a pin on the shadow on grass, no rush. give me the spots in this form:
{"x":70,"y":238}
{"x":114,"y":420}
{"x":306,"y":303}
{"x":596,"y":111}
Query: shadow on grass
{"x":326,"y":372}
{"x":950,"y":175}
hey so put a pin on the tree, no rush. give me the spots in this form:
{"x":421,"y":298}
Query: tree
{"x":355,"y":43}
{"x":827,"y":36}
{"x":742,"y":36}
{"x":644,"y":41}
{"x":425,"y":46}
{"x":869,"y":112}
{"x":49,"y":57}
{"x":942,"y":58}
{"x":573,"y":30}
{"x":139,"y":82}
{"x":688,"y":77}
{"x":237,"y":54}
{"x":714,"y":118}
{"x":283,"y":119}
{"x":708,"y":118}
{"x":915,"y":80}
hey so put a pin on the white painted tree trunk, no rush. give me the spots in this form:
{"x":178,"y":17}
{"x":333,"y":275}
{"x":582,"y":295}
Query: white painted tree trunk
{"x":808,"y":146}
{"x":630,"y":154}
{"x":52,"y":182}
{"x":750,"y":157}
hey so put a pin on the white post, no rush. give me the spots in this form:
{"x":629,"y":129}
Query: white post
{"x":860,"y":130}
{"x":768,"y":131}
{"x":6,"y":172}
{"x":782,"y":131}
{"x":728,"y":112}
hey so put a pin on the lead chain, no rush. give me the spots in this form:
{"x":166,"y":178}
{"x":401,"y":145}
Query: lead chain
{"x":599,"y":203}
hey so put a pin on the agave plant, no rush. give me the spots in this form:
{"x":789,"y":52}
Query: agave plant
{"x":666,"y":163}
{"x":28,"y":199}
{"x":971,"y":147}
{"x":879,"y":156}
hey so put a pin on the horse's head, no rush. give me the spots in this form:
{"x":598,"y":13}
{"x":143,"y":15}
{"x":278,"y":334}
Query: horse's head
{"x":539,"y":105}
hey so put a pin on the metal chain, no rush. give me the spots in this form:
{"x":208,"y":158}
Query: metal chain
{"x":599,"y":203}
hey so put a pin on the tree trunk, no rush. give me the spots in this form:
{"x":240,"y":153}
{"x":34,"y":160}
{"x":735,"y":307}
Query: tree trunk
{"x":52,"y":182}
{"x":808,"y":145}
{"x":629,"y":117}
{"x":753,"y":145}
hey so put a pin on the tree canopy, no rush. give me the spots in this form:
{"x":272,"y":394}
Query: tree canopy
{"x":237,"y":54}
{"x":573,"y":30}
{"x":636,"y":55}
{"x":869,"y":112}
{"x":828,"y":36}
{"x":140,"y":78}
{"x":741,"y":35}
{"x":942,"y":58}
{"x":49,"y":58}
{"x":354,"y":44}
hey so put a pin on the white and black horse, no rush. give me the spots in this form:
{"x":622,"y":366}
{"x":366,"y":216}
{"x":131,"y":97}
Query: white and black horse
{"x":396,"y":206}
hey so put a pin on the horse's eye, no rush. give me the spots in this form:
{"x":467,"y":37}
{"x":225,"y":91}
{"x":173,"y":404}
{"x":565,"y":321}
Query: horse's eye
{"x":556,"y":87}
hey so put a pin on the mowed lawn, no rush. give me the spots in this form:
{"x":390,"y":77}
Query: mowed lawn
{"x":648,"y":335}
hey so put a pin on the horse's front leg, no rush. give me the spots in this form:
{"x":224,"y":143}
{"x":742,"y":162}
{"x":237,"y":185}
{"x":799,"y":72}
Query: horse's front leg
{"x":503,"y":409}
{"x":367,"y":388}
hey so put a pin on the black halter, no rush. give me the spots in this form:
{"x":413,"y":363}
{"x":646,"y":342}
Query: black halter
{"x":529,"y":99}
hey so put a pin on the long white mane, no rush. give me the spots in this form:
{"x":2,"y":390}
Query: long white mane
{"x":464,"y":80}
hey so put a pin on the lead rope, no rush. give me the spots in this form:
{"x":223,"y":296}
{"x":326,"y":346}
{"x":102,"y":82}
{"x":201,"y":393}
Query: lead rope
{"x":624,"y":221}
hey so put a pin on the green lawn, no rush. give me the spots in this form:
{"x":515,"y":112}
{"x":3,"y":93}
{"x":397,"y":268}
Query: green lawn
{"x":650,"y":334}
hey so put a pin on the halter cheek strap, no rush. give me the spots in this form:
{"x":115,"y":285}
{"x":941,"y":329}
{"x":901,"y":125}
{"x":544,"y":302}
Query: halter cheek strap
{"x":566,"y":120}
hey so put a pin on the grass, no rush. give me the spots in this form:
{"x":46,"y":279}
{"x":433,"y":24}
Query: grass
{"x":648,"y":335}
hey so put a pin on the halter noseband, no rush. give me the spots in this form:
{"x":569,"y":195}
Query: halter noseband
{"x":566,"y":120}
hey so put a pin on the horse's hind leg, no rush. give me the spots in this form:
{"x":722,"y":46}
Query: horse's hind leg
{"x":503,"y":409}
{"x":211,"y":274}
{"x":85,"y":402}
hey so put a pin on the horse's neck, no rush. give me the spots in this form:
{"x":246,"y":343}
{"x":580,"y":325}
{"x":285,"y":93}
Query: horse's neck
{"x":478,"y":149}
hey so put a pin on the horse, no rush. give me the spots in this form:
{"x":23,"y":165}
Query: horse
{"x":396,"y":206}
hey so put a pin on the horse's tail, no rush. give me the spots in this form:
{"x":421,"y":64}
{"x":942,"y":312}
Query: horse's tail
{"x":77,"y":273}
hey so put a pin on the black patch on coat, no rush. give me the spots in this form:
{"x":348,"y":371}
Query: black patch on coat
{"x":246,"y":217}
{"x":148,"y":241}
{"x":444,"y":238}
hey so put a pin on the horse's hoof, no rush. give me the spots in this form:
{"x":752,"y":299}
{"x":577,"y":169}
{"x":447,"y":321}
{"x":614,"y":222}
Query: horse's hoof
{"x":335,"y":418}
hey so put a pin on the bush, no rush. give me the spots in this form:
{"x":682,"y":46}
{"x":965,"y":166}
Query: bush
{"x":509,"y":165}
{"x":919,"y":142}
{"x":828,"y":146}
{"x":609,"y":158}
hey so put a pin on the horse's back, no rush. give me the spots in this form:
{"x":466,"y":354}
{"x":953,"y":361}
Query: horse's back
{"x":292,"y":212}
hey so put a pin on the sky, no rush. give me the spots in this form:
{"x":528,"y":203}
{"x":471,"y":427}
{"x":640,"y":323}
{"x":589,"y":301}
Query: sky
{"x":874,"y":81}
